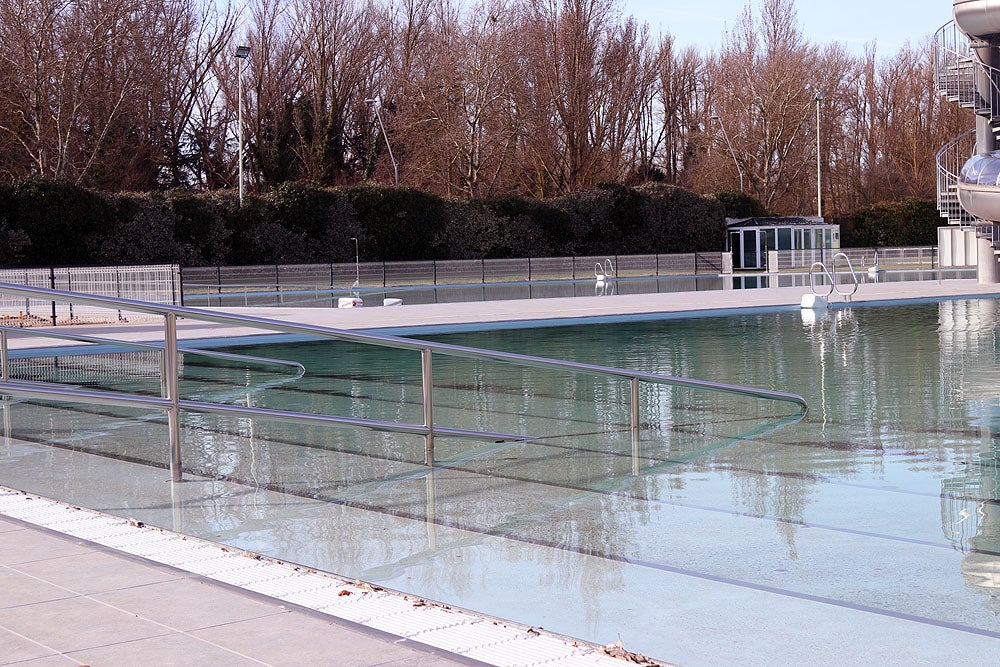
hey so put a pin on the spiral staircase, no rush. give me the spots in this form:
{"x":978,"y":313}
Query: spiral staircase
{"x":961,"y":77}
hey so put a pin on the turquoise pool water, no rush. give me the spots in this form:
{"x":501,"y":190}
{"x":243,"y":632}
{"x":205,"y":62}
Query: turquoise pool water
{"x":879,"y":510}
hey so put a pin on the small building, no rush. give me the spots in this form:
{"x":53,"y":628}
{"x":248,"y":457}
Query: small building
{"x":750,"y":239}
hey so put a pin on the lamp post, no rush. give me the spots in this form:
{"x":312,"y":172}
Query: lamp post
{"x":395,"y":168}
{"x":819,"y":173}
{"x":241,"y":55}
{"x":357,"y":263}
{"x":731,"y":151}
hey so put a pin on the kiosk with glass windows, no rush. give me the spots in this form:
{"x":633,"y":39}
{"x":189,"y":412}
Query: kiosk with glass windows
{"x":749,"y":239}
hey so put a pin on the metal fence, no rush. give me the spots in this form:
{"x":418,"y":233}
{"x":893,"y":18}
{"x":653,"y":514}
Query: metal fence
{"x":166,"y":284}
{"x":444,"y":272}
{"x":155,"y":284}
{"x":916,"y":257}
{"x":202,"y":280}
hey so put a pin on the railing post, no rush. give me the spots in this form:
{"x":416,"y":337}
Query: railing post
{"x":169,"y":384}
{"x":427,"y":380}
{"x":52,"y":285}
{"x":634,"y":405}
{"x":4,"y":370}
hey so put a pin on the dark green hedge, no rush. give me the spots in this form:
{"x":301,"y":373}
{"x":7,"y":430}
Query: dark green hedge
{"x":910,"y":221}
{"x":55,"y":223}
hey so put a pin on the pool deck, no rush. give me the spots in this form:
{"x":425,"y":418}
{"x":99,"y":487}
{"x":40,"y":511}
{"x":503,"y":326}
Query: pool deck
{"x":68,"y":600}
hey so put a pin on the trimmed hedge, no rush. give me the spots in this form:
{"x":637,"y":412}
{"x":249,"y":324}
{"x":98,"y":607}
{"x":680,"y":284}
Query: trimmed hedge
{"x":56,"y":223}
{"x":909,"y":221}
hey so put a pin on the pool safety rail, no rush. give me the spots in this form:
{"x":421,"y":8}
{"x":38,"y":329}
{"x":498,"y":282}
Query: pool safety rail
{"x":170,"y":402}
{"x":832,"y":276}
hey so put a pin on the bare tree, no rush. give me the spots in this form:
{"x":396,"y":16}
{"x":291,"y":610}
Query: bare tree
{"x":336,"y":40}
{"x":763,"y":69}
{"x":77,"y":74}
{"x":682,"y":117}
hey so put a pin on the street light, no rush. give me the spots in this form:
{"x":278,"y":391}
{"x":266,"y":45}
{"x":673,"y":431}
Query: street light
{"x":819,"y":174}
{"x":241,"y":54}
{"x":357,"y":263}
{"x":731,"y":151}
{"x":395,"y":168}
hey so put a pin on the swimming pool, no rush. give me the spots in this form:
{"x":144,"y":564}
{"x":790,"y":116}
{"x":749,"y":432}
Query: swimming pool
{"x":868,"y":525}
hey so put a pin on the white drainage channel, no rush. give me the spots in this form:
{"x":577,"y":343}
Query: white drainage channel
{"x":464,"y":633}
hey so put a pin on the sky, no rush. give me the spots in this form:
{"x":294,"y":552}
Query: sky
{"x":888,"y":23}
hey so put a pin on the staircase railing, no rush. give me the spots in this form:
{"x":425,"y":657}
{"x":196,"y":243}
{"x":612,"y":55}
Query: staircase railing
{"x":950,"y":159}
{"x":955,"y":68}
{"x":961,"y":77}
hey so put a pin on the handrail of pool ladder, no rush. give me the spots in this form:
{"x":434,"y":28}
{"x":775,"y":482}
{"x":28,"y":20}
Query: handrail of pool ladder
{"x":833,"y":276}
{"x":172,"y":404}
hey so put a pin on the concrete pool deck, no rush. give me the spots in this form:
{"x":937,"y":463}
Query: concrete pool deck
{"x":59,"y":581}
{"x":68,"y":601}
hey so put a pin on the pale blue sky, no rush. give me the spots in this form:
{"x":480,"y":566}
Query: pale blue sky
{"x":855,"y":23}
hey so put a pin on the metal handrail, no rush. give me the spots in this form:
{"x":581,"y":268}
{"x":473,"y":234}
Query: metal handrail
{"x":961,"y":75}
{"x":80,"y":338}
{"x":833,"y":276}
{"x":950,"y":159}
{"x":172,"y":404}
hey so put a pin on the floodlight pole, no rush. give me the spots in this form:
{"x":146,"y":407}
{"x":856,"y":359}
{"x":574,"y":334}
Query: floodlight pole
{"x":241,"y":54}
{"x":374,"y":101}
{"x":357,"y":262}
{"x":731,"y":151}
{"x":819,"y":173}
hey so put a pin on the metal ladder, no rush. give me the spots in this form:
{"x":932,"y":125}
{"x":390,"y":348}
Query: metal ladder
{"x":833,"y":287}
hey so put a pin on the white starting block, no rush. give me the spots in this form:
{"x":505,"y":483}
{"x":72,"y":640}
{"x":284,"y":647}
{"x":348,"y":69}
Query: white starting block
{"x":350,"y":302}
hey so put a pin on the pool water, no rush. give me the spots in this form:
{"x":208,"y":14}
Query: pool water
{"x":723,"y":533}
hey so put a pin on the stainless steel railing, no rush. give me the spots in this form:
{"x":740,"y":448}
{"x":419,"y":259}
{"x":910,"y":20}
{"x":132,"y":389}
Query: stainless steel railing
{"x":171,"y":403}
{"x":950,"y":159}
{"x":961,"y":77}
{"x":832,"y":276}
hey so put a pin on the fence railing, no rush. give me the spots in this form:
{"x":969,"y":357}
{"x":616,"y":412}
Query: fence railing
{"x":442,"y":272}
{"x":152,"y":284}
{"x":916,"y":257}
{"x":276,"y":277}
{"x":168,"y":284}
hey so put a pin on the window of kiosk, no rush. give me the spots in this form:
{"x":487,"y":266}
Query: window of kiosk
{"x":784,"y":238}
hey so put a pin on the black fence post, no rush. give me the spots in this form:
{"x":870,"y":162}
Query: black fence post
{"x":52,"y":285}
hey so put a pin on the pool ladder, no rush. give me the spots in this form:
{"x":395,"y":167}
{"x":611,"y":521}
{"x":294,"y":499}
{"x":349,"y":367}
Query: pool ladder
{"x":832,"y":276}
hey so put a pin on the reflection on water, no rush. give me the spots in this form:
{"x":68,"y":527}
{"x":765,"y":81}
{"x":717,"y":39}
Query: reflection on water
{"x":884,"y":499}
